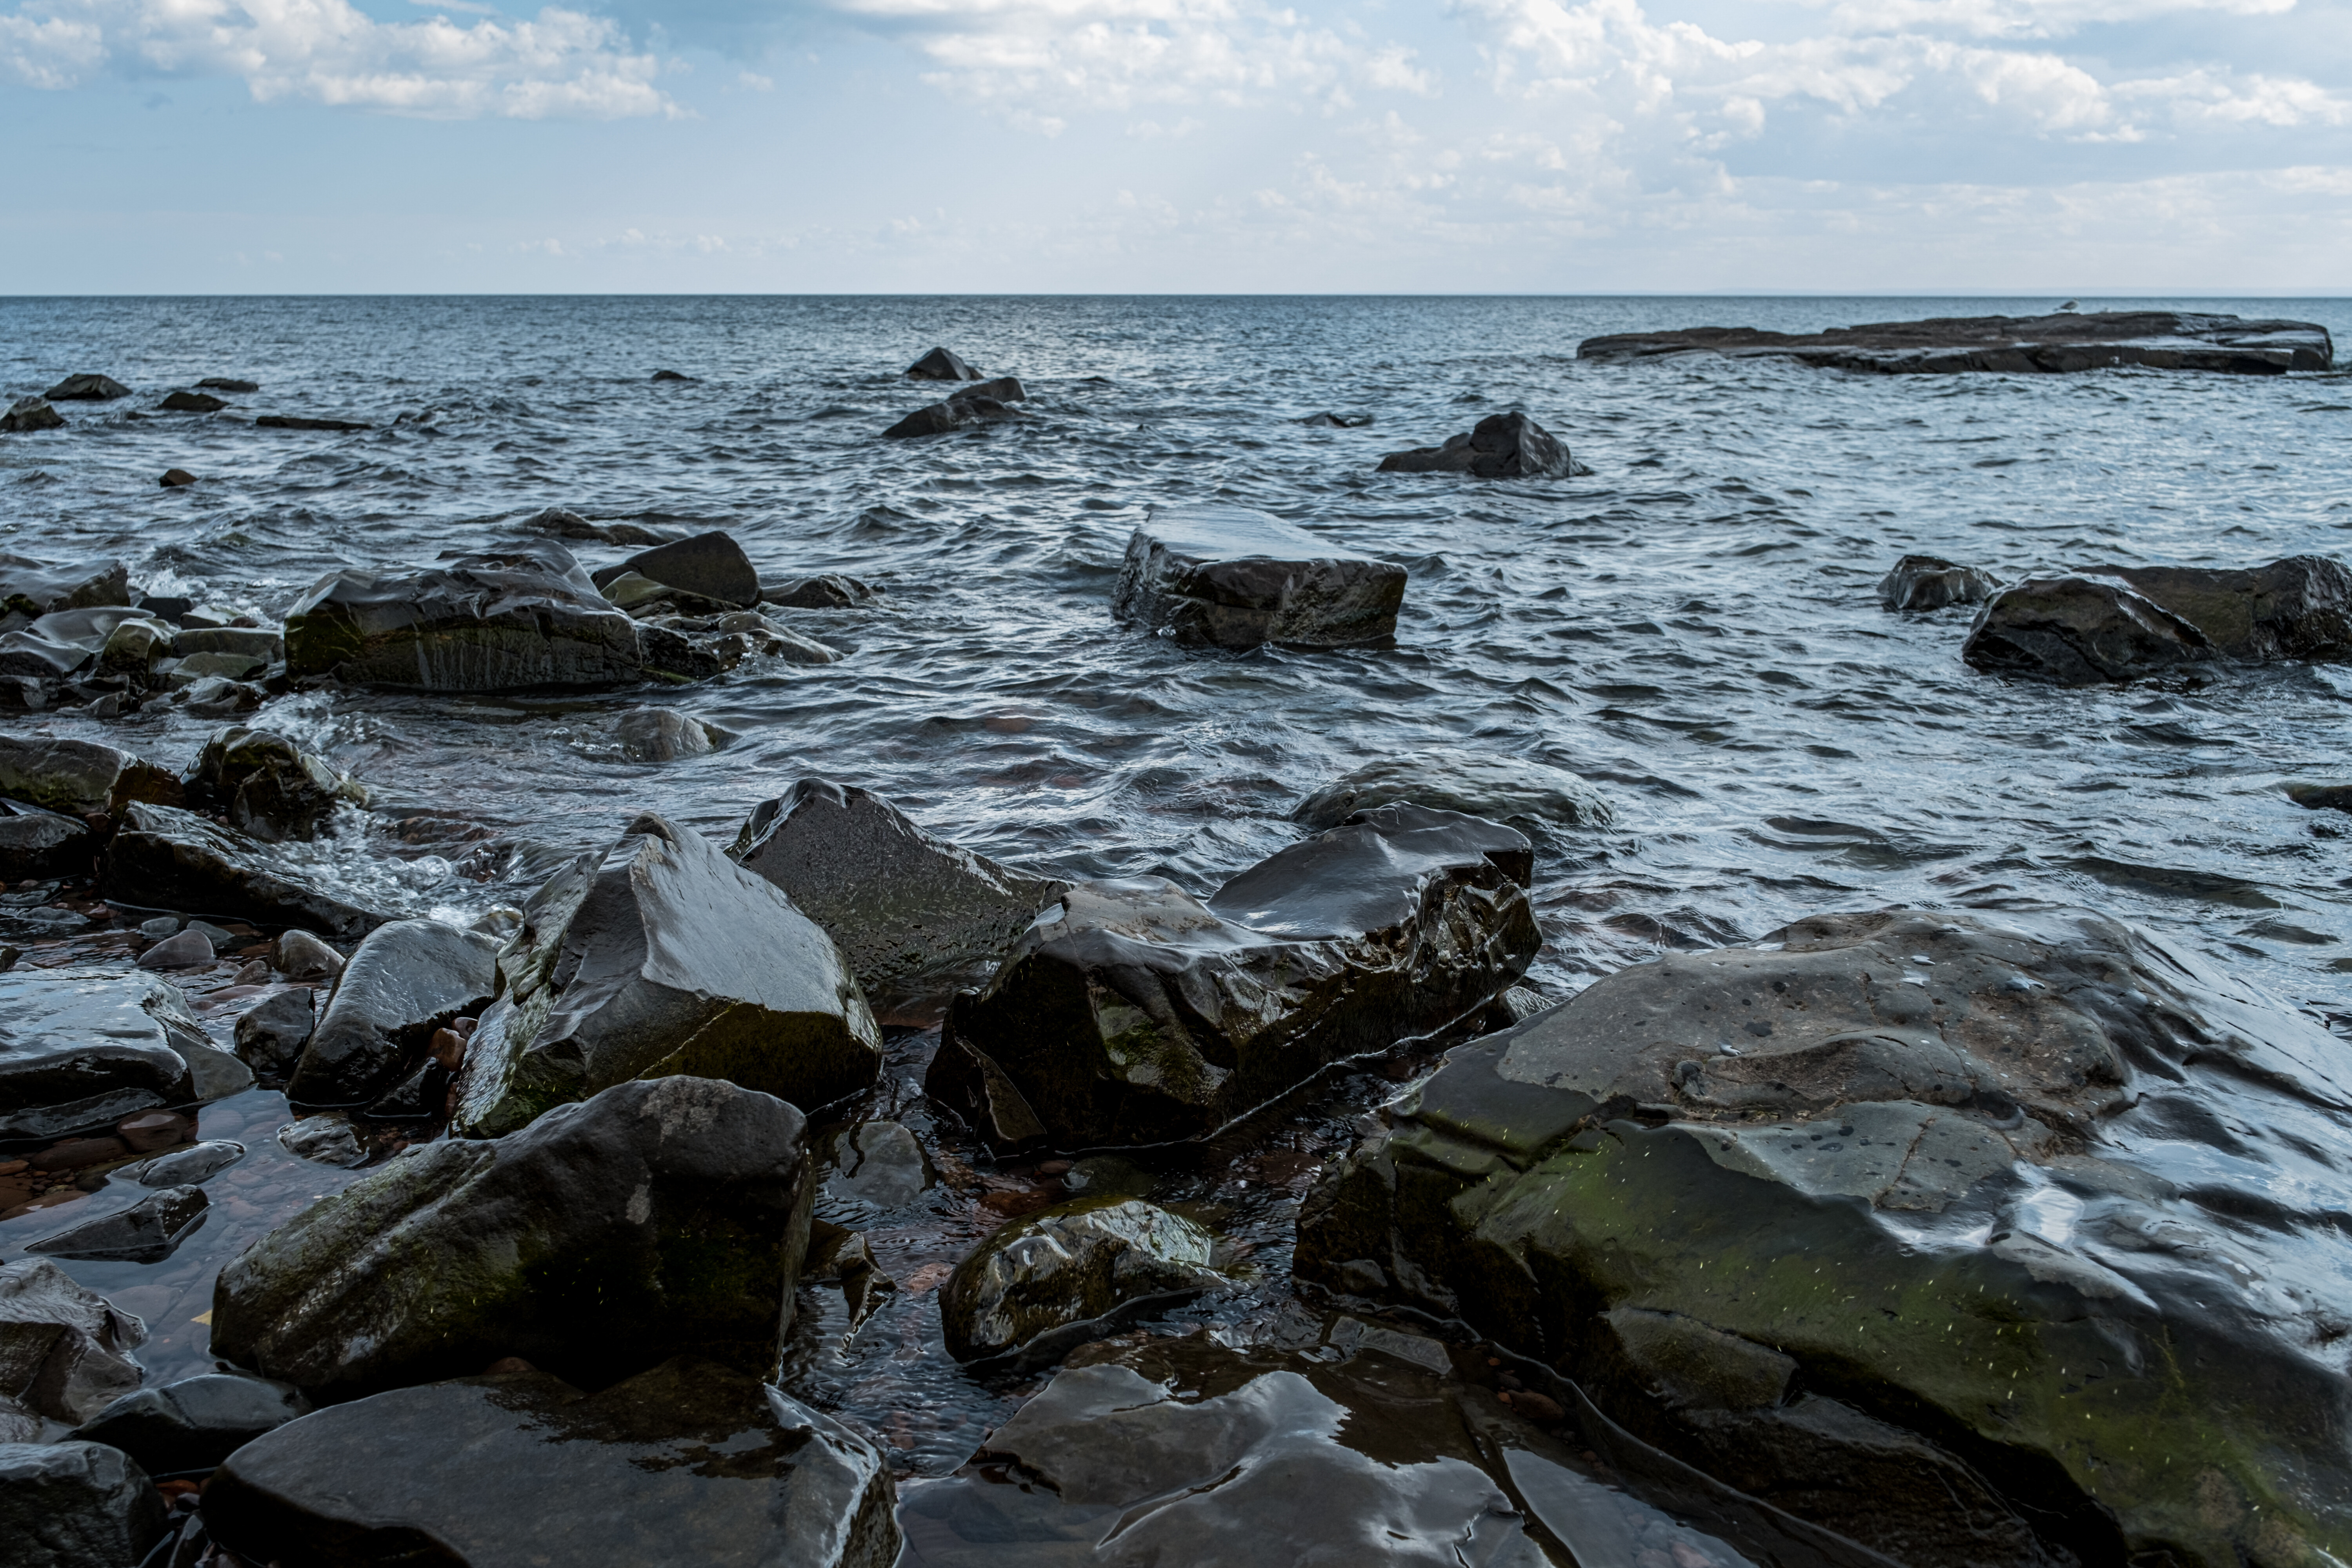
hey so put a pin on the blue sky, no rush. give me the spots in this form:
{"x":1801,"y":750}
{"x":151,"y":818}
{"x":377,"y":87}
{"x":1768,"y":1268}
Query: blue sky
{"x":1147,"y":145}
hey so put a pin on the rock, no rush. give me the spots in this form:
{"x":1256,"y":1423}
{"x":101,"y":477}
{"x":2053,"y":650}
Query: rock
{"x":151,"y":1130}
{"x":1004,"y":389}
{"x":1338,"y":421}
{"x":1929,"y":1226}
{"x":214,"y":697}
{"x":1225,"y":576}
{"x":177,"y":478}
{"x":1517,"y":790}
{"x":266,"y":786}
{"x":31,"y":588}
{"x":132,"y":647}
{"x":195,"y":1422}
{"x":76,"y":1505}
{"x":162,"y":855}
{"x":1499,"y":446}
{"x":680,"y":1207}
{"x":1930,"y":582}
{"x":2300,"y":607}
{"x":942,"y":364}
{"x":914,"y":916}
{"x":671,"y":375}
{"x":253,"y":642}
{"x":407,"y":980}
{"x":79,"y":1046}
{"x":2081,"y":631}
{"x":524,"y":615}
{"x":2069,"y":341}
{"x":193,"y":402}
{"x":149,"y":1231}
{"x":2310,"y":796}
{"x":660,"y":957}
{"x":1132,"y":1014}
{"x":186,"y":951}
{"x":664,"y":735}
{"x":228,"y":384}
{"x":881,"y":1166}
{"x":80,"y":778}
{"x":296,"y":422}
{"x":65,"y":641}
{"x":960,"y":412}
{"x":559,"y":523}
{"x":87,"y":388}
{"x":299,"y":955}
{"x":29,"y":414}
{"x":194,"y":1164}
{"x":328,"y":1140}
{"x":829,"y":591}
{"x":64,"y":1352}
{"x":708,"y":566}
{"x":1045,"y":1284}
{"x":684,"y":1466}
{"x":39,"y":845}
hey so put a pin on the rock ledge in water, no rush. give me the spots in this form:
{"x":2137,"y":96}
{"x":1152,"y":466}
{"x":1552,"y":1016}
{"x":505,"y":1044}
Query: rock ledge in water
{"x":2163,"y":340}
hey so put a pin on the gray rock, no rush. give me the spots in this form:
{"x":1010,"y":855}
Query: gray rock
{"x":221,"y":938}
{"x":163,"y":856}
{"x":828,"y":590}
{"x":195,"y":1422}
{"x":228,"y":384}
{"x":37,"y":845}
{"x":87,"y":388}
{"x":64,"y":1352}
{"x":557,"y":522}
{"x":2068,"y":341}
{"x":1132,"y":1014}
{"x":1930,"y":582}
{"x":942,"y":364}
{"x":188,"y":950}
{"x":709,"y":567}
{"x":82,"y":1046}
{"x":299,"y":955}
{"x":214,"y":697}
{"x":327,"y":1139}
{"x":685,"y":1466}
{"x":1228,"y":577}
{"x":75,"y":1505}
{"x":149,"y":1231}
{"x":879,"y":1165}
{"x":29,"y":414}
{"x":2300,"y":607}
{"x":2321,"y":796}
{"x":196,"y":1163}
{"x":132,"y":648}
{"x":192,"y":403}
{"x":1518,"y":790}
{"x":31,"y":588}
{"x":2081,"y":631}
{"x":680,"y":1207}
{"x":1042,"y":1285}
{"x":256,"y":642}
{"x":1330,"y":421}
{"x":664,"y":735}
{"x":407,"y":980}
{"x":65,"y":641}
{"x":1499,"y":446}
{"x":663,"y":956}
{"x":960,"y":412}
{"x":163,"y":928}
{"x":916,"y":916}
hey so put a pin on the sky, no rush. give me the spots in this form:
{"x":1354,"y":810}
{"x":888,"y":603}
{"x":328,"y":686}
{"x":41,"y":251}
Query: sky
{"x":964,"y":146}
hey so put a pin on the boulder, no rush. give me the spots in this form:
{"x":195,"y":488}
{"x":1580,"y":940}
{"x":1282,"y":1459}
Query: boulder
{"x":657,"y":1219}
{"x":64,"y":1352}
{"x":30,"y":414}
{"x":960,"y":412}
{"x":1499,"y":446}
{"x":176,"y":479}
{"x":1133,"y":1014}
{"x":2066,"y":340}
{"x":1974,"y":1238}
{"x":266,"y":786}
{"x":880,"y":1166}
{"x":76,"y":1505}
{"x":162,"y":856}
{"x":664,"y":735}
{"x":228,"y":384}
{"x":1930,"y":582}
{"x":193,"y":402}
{"x":81,"y":1046}
{"x":87,"y":388}
{"x":942,"y":364}
{"x":298,"y":422}
{"x":149,"y":1231}
{"x":914,"y":916}
{"x":1041,"y":1285}
{"x":32,"y":588}
{"x":193,"y":1423}
{"x":1518,"y":790}
{"x":561,"y":522}
{"x":709,"y":566}
{"x":406,"y":981}
{"x":134,"y":646}
{"x":828,"y":590}
{"x":39,"y":845}
{"x":1225,"y":576}
{"x":685,"y":1466}
{"x":2081,"y":631}
{"x":662,"y":956}
{"x":255,"y":642}
{"x":2300,"y":607}
{"x":80,"y":778}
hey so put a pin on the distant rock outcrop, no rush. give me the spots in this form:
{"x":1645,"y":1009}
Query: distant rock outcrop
{"x":2068,"y":341}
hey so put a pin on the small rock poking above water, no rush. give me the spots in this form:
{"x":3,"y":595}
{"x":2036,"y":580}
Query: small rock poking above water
{"x":1225,"y":576}
{"x":942,"y":364}
{"x":2068,"y":341}
{"x":149,"y":1231}
{"x":165,"y":858}
{"x":76,"y":1505}
{"x":829,"y":591}
{"x":1330,"y":421}
{"x":1518,"y":790}
{"x":961,"y":411}
{"x":228,"y":384}
{"x":664,"y":735}
{"x":300,"y":422}
{"x":671,"y":375}
{"x":176,"y":478}
{"x":29,"y":414}
{"x":1930,"y":582}
{"x":87,"y":388}
{"x":408,"y":979}
{"x":2321,"y":796}
{"x":1499,"y":446}
{"x":1041,"y":1285}
{"x":561,"y":522}
{"x":299,"y":955}
{"x":708,"y":569}
{"x":193,"y":402}
{"x":2120,"y":623}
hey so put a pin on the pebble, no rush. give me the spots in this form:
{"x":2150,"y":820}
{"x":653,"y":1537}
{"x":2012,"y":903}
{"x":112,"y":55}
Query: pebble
{"x":302,"y":956}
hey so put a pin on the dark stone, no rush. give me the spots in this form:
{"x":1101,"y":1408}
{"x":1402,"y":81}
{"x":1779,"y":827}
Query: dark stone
{"x":1004,"y":389}
{"x":2081,"y":631}
{"x":328,"y":1140}
{"x":266,"y":786}
{"x":708,"y":566}
{"x":1041,"y":1285}
{"x":32,"y":588}
{"x":1225,"y":576}
{"x":830,"y":591}
{"x":75,"y":1505}
{"x":87,"y":388}
{"x":65,"y":1350}
{"x":1132,"y":1014}
{"x":1330,"y":421}
{"x":149,"y":1231}
{"x":2321,"y":796}
{"x":685,"y":1466}
{"x":195,"y":1422}
{"x":80,"y":778}
{"x":188,"y":950}
{"x":30,"y":414}
{"x":78,"y":1048}
{"x":295,"y":422}
{"x":1517,"y":790}
{"x":663,"y":735}
{"x":193,"y":402}
{"x":196,"y":1163}
{"x":1499,"y":446}
{"x":40,"y":844}
{"x":407,"y":980}
{"x":942,"y":364}
{"x":914,"y":916}
{"x":299,"y":955}
{"x":960,"y":412}
{"x":658,"y":1218}
{"x":663,"y":956}
{"x":1930,"y":582}
{"x":2300,"y":607}
{"x":558,"y":522}
{"x":1935,"y":1227}
{"x":228,"y":384}
{"x":2166,"y":340}
{"x":175,"y":478}
{"x":63,"y":641}
{"x":161,"y":857}
{"x":671,"y":375}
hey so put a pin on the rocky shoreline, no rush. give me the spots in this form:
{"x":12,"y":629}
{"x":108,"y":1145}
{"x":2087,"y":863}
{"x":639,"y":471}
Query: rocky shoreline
{"x":2062,"y":343}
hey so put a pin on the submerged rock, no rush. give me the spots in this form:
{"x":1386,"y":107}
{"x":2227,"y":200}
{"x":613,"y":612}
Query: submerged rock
{"x":829,"y":591}
{"x":688,"y":1465}
{"x":562,"y":522}
{"x":29,"y":414}
{"x":193,"y":402}
{"x":2081,"y":631}
{"x":1226,"y":576}
{"x":662,"y":956}
{"x":1935,"y":1228}
{"x":2068,"y":341}
{"x":1133,"y":1014}
{"x":960,"y":412}
{"x":149,"y":1231}
{"x":408,"y":979}
{"x":1043,"y":1285}
{"x":75,"y":1505}
{"x":1499,"y":446}
{"x":664,"y":735}
{"x":195,"y":1422}
{"x":32,"y":588}
{"x":40,"y":844}
{"x":1518,"y":790}
{"x":914,"y":915}
{"x":87,"y":388}
{"x":299,"y":422}
{"x":881,"y":1166}
{"x":709,"y":567}
{"x":81,"y":1046}
{"x":162,"y":856}
{"x":1930,"y":582}
{"x":267,"y":787}
{"x":1330,"y":421}
{"x":323,"y":1140}
{"x":677,"y":1207}
{"x":228,"y":384}
{"x":65,"y":1350}
{"x":942,"y":364}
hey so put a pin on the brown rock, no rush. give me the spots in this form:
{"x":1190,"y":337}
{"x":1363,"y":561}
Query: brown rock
{"x":173,"y":479}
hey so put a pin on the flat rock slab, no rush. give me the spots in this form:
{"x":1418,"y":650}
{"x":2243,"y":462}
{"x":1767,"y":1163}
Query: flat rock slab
{"x":33,"y":587}
{"x":2163,"y":340}
{"x":163,"y":858}
{"x":1225,"y":576}
{"x":686,"y":1465}
{"x":78,"y":1048}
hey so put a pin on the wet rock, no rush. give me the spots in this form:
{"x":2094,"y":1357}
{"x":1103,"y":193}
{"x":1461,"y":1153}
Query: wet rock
{"x":153,"y":1129}
{"x":664,"y":735}
{"x":2310,"y":796}
{"x":78,"y":1048}
{"x":327,"y":1139}
{"x":149,"y":1231}
{"x":1930,"y":1226}
{"x":678,"y":1206}
{"x":37,"y":844}
{"x":1930,"y":582}
{"x":163,"y":856}
{"x":87,"y":388}
{"x":216,"y":698}
{"x":228,"y":384}
{"x":193,"y":402}
{"x":671,"y":375}
{"x":1330,"y":421}
{"x":188,"y":950}
{"x":960,"y":412}
{"x":2081,"y":631}
{"x":30,"y":414}
{"x":709,"y":567}
{"x":1499,"y":446}
{"x":942,"y":364}
{"x":195,"y":1422}
{"x":63,"y":641}
{"x":298,"y":422}
{"x":2300,"y":607}
{"x":176,"y":478}
{"x":75,"y":1505}
{"x":265,"y":784}
{"x":1226,"y":576}
{"x":1133,"y":1014}
{"x":64,"y":1352}
{"x":1518,"y":790}
{"x":79,"y":778}
{"x":253,"y":642}
{"x":1042,"y":1285}
{"x":32,"y":588}
{"x":406,"y":981}
{"x":2068,"y":341}
{"x":524,"y":615}
{"x":561,"y":522}
{"x":914,"y":915}
{"x":880,"y":1165}
{"x":686,"y":1465}
{"x":828,"y":590}
{"x":194,"y":1164}
{"x":299,"y":955}
{"x":132,"y":647}
{"x":663,"y":956}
